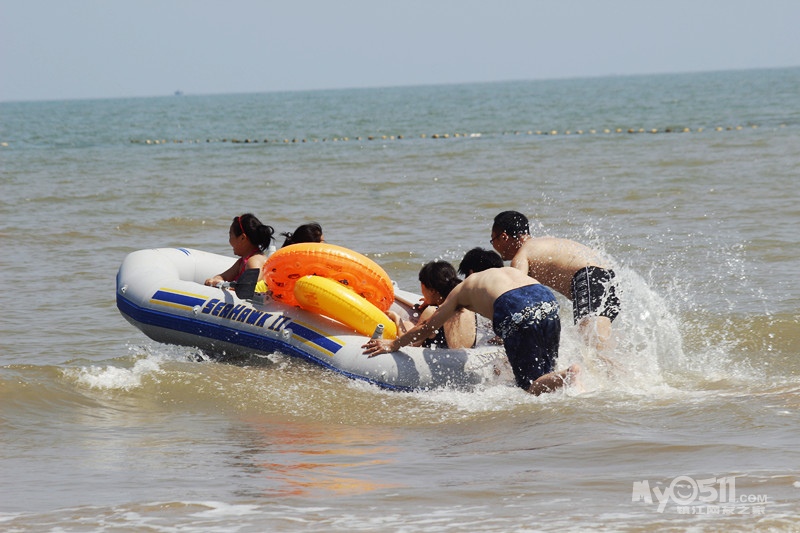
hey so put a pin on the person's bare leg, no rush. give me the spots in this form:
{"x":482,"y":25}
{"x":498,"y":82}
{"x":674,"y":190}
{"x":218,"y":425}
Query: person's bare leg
{"x":556,"y":380}
{"x":596,"y":332}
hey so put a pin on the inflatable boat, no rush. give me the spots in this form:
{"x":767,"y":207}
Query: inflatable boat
{"x":161,"y":292}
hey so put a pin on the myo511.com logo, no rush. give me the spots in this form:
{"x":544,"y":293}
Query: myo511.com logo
{"x":714,"y":495}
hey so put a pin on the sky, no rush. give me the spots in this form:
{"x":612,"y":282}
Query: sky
{"x":76,"y":49}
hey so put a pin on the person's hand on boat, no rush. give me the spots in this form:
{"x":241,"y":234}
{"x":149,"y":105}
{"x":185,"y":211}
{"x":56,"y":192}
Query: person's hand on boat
{"x":378,"y":346}
{"x":401,"y":324}
{"x":213,"y":282}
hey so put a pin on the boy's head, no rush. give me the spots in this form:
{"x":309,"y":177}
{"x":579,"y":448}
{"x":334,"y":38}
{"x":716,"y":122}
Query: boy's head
{"x":512,"y":223}
{"x":478,"y":260}
{"x":510,"y":228}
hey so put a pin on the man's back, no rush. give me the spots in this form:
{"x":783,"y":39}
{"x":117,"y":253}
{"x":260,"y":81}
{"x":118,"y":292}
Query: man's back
{"x":480,"y":289}
{"x":553,"y":261}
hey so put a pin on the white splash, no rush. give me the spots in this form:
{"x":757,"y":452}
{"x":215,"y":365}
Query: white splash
{"x":115,"y":378}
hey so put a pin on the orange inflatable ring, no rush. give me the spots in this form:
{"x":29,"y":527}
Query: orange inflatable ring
{"x":356,"y":271}
{"x":326,"y":297}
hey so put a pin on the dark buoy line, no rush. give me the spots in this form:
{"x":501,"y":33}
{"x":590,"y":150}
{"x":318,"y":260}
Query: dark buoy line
{"x":455,"y":135}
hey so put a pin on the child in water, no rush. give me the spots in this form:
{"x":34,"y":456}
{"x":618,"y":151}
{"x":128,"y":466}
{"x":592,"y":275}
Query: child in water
{"x":249,"y":238}
{"x":437,"y":279}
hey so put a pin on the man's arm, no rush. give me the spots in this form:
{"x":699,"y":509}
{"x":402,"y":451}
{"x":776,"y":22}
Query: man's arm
{"x":520,"y":262}
{"x":421,"y":331}
{"x":378,"y":346}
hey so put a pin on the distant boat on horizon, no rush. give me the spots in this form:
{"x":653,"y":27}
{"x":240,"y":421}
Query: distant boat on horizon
{"x":178,"y":93}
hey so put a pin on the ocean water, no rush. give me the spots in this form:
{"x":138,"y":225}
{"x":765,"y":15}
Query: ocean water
{"x":688,"y":181}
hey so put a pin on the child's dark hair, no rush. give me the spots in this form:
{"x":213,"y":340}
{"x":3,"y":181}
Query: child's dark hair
{"x":311,"y":232}
{"x":440,"y":276}
{"x":259,"y":234}
{"x":478,"y":260}
{"x":512,"y":223}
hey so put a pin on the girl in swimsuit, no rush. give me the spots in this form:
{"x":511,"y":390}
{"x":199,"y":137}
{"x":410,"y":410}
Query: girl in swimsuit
{"x":437,"y":279}
{"x":249,"y":238}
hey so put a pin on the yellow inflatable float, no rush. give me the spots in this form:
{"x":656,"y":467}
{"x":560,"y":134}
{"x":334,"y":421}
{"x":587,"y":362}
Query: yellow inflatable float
{"x":355,"y":271}
{"x":332,"y":299}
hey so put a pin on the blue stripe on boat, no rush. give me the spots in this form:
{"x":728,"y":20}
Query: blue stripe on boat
{"x":177,"y":298}
{"x":326,"y":343}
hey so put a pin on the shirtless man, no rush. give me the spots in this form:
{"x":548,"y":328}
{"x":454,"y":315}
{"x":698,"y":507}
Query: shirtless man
{"x":574,"y":270}
{"x":524,"y":314}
